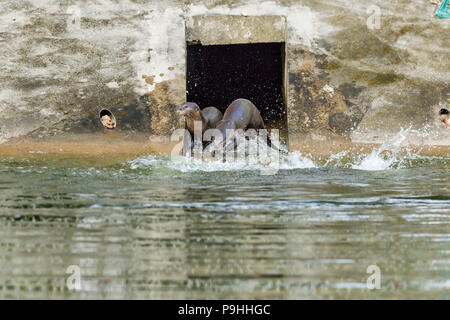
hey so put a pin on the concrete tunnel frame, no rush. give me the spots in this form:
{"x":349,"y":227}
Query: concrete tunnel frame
{"x":232,"y":32}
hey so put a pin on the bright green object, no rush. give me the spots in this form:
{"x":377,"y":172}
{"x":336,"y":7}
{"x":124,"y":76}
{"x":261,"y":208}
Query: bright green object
{"x":442,"y":11}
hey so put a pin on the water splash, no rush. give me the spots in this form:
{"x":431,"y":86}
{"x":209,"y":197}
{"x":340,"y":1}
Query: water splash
{"x":293,"y":160}
{"x":395,"y":153}
{"x":385,"y":156}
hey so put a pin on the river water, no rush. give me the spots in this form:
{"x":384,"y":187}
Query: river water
{"x":155,"y":228}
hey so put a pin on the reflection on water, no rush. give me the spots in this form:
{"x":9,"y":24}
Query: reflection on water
{"x":151,"y":228}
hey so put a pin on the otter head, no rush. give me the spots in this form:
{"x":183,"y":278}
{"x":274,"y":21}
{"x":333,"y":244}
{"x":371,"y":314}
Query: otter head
{"x":188,"y":109}
{"x":444,"y":115}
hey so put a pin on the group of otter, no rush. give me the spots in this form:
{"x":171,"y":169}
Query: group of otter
{"x":240,"y":114}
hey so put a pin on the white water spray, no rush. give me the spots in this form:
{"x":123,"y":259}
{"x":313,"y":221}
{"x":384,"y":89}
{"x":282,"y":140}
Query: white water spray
{"x":392,"y":154}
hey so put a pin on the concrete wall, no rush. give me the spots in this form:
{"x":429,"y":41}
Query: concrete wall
{"x":348,"y":76}
{"x":62,"y":61}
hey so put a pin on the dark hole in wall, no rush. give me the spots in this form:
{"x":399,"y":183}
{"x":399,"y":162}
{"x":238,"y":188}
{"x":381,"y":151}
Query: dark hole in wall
{"x":219,"y":74}
{"x":131,"y":119}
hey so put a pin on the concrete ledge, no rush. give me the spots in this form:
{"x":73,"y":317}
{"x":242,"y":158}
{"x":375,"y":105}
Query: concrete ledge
{"x":102,"y":150}
{"x":216,"y":30}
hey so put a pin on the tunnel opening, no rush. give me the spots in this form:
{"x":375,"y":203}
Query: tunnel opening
{"x":219,"y":74}
{"x":107,"y":119}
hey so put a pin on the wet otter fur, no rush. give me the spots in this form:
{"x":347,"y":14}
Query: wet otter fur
{"x":192,"y":112}
{"x":209,"y":117}
{"x":242,"y":114}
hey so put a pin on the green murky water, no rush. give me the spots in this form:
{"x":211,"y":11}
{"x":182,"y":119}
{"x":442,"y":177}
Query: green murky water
{"x":152,"y":229}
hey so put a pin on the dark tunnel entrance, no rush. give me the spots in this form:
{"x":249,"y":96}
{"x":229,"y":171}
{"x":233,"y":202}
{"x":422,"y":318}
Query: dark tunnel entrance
{"x":219,"y":74}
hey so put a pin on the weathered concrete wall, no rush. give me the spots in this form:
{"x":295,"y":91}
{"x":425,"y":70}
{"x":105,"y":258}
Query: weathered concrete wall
{"x":64,"y":60}
{"x":395,"y":75}
{"x":216,"y":30}
{"x":315,"y":107}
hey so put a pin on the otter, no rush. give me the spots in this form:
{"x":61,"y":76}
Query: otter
{"x":241,"y":114}
{"x":209,"y":116}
